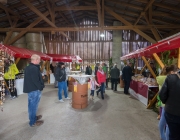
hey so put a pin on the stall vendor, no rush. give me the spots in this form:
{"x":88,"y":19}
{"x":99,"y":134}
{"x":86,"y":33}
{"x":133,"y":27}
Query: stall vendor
{"x":9,"y":76}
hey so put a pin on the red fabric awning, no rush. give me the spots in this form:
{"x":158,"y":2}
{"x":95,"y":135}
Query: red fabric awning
{"x":169,"y":44}
{"x":65,"y":58}
{"x":22,"y":52}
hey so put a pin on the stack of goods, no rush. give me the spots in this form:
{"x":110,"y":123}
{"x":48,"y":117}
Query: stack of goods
{"x":145,"y":80}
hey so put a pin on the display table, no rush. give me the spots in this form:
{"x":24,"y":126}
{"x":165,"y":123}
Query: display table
{"x":141,"y":91}
{"x":52,"y":78}
{"x":19,"y":86}
{"x":80,"y":92}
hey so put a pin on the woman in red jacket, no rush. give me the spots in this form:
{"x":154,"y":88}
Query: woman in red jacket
{"x":101,"y":77}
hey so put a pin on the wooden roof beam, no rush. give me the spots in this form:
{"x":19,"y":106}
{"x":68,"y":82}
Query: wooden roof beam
{"x":28,"y":4}
{"x":24,"y":31}
{"x":126,"y":4}
{"x":63,"y":8}
{"x":154,"y":31}
{"x":126,"y":27}
{"x":99,"y":12}
{"x":144,"y":10}
{"x":51,"y":6}
{"x":12,"y":12}
{"x":127,"y":23}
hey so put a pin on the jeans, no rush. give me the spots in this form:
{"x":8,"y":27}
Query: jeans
{"x":174,"y":126}
{"x":33,"y":102}
{"x":114,"y":84}
{"x":92,"y":93}
{"x":126,"y":86}
{"x":101,"y":89}
{"x":163,"y":127}
{"x":62,"y":86}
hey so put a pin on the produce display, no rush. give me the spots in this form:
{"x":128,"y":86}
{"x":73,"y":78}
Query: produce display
{"x":145,"y":80}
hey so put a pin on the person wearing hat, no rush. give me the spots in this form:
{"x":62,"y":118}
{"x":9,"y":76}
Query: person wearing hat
{"x":60,"y":76}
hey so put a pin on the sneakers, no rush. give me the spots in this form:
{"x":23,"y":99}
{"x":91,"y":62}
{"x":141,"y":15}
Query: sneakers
{"x":38,"y":117}
{"x":38,"y":123}
{"x":14,"y":97}
{"x":67,"y":98}
{"x":61,"y":101}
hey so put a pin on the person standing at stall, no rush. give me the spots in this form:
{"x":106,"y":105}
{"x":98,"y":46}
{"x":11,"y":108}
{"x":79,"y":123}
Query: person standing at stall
{"x":9,"y":76}
{"x":33,"y":85}
{"x":115,"y":73}
{"x":88,"y":70}
{"x":126,"y":75}
{"x":60,"y":76}
{"x":169,"y":95}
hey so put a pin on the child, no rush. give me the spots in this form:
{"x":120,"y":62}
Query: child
{"x":93,"y":84}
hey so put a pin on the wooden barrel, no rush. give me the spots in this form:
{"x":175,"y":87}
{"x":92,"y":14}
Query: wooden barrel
{"x":121,"y":82}
{"x":71,"y":84}
{"x":80,"y":98}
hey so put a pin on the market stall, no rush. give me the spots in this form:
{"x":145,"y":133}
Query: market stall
{"x":154,"y":52}
{"x":17,"y":53}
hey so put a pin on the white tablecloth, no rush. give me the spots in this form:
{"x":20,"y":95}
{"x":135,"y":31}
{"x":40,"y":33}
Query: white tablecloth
{"x":19,"y":86}
{"x":81,"y":78}
{"x":52,"y":78}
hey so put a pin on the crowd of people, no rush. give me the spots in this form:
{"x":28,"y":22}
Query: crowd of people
{"x":168,"y":80}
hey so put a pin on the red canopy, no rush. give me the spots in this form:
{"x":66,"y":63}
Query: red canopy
{"x":22,"y":52}
{"x":65,"y":58}
{"x":168,"y":44}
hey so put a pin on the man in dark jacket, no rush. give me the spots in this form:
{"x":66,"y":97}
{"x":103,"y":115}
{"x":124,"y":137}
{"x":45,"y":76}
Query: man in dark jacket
{"x":126,"y":76}
{"x":60,"y":76}
{"x":114,"y":77}
{"x":88,"y":70}
{"x":169,"y":95}
{"x":33,"y":85}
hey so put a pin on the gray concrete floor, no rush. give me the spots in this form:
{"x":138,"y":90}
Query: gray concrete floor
{"x":118,"y":117}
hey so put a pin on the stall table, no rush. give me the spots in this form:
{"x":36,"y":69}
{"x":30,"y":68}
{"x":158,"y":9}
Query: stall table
{"x":80,"y":92}
{"x":19,"y":85}
{"x":141,"y":91}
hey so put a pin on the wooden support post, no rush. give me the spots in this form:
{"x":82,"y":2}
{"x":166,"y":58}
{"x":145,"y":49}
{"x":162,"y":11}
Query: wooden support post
{"x":136,"y":65}
{"x":179,"y":58}
{"x":156,"y":57}
{"x":151,"y":102}
{"x":17,"y":60}
{"x":48,"y":71}
{"x":144,"y":66}
{"x":149,"y":67}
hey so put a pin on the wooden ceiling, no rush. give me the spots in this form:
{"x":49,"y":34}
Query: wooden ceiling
{"x":152,"y":19}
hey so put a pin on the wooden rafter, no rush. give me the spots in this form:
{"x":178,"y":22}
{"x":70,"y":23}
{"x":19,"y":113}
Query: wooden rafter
{"x":126,"y":4}
{"x":28,"y":4}
{"x":99,"y":12}
{"x":63,"y":8}
{"x":9,"y":18}
{"x":145,"y":9}
{"x":51,"y":6}
{"x":24,"y":31}
{"x":128,"y":27}
{"x":64,"y":17}
{"x":12,"y":12}
{"x":154,"y":31}
{"x":127,"y":23}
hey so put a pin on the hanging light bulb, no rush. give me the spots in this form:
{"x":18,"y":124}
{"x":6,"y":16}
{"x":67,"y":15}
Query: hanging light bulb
{"x":101,"y":35}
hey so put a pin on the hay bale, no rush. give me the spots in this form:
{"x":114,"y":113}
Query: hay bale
{"x":34,"y":37}
{"x":35,"y":46}
{"x":20,"y":45}
{"x":19,"y":41}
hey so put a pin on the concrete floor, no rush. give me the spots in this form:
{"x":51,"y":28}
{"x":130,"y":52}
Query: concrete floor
{"x":118,"y":117}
